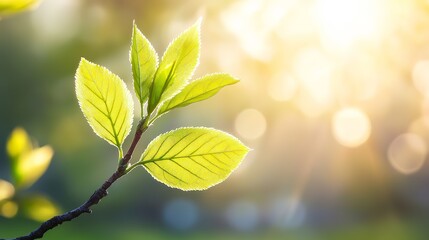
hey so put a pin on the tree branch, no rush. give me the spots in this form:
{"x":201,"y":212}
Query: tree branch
{"x":95,"y":198}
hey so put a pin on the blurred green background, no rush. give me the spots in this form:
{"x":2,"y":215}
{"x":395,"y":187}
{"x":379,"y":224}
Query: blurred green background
{"x":333,"y":98}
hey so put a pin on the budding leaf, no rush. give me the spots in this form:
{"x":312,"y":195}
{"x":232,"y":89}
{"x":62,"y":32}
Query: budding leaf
{"x":193,"y":158}
{"x":198,"y":90}
{"x":176,"y":67}
{"x":144,"y":61}
{"x":31,"y":166}
{"x":105,"y":101}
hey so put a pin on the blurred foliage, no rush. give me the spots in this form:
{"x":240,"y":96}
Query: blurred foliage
{"x":28,"y":164}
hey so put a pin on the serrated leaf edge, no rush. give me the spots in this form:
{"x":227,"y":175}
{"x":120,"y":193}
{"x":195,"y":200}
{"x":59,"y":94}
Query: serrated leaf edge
{"x":198,"y":79}
{"x":135,"y":27}
{"x":247,"y":149}
{"x":128,"y":95}
{"x":198,"y":25}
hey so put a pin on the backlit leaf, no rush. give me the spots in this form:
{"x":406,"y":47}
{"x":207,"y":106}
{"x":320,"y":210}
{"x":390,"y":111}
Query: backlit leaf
{"x":144,"y":61}
{"x":15,"y":6}
{"x":198,"y":90}
{"x":176,"y":67}
{"x":18,"y":144}
{"x":27,"y":164}
{"x":31,"y":166}
{"x":193,"y":158}
{"x":105,"y":101}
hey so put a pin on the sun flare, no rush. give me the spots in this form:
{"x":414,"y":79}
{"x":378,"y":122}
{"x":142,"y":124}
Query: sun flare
{"x":342,"y":23}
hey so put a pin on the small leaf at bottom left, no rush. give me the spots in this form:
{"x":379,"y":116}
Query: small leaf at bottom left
{"x":31,"y":166}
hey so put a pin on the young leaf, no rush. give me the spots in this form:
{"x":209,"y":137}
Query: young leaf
{"x":144,"y":61}
{"x":18,"y":144}
{"x":176,"y":67}
{"x":27,"y":164}
{"x":193,"y":158}
{"x":31,"y":166}
{"x":105,"y":101}
{"x":15,"y":6}
{"x":198,"y":90}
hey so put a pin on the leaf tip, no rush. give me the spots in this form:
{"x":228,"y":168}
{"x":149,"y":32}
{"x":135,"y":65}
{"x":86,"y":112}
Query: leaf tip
{"x":199,"y":22}
{"x":83,"y":60}
{"x":135,"y":28}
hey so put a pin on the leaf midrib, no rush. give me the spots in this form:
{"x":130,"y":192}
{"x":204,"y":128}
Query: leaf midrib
{"x":136,"y":52}
{"x":115,"y":135}
{"x":189,"y":156}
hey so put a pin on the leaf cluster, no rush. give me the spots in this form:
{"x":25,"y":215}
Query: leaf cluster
{"x":28,"y":163}
{"x":185,"y":158}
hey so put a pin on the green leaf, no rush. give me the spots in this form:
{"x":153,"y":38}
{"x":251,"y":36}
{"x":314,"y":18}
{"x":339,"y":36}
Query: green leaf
{"x":18,"y":144}
{"x":105,"y":101}
{"x":31,"y":166}
{"x":193,"y":158}
{"x":176,"y":67}
{"x":14,"y":6}
{"x":198,"y":90}
{"x":28,"y":164}
{"x":144,"y":61}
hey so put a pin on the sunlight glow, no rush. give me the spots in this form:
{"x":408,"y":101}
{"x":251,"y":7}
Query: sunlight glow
{"x":421,"y":77}
{"x":407,"y":153}
{"x":351,"y":127}
{"x":250,"y":124}
{"x":252,"y":22}
{"x":314,"y":70}
{"x":342,"y":23}
{"x":282,"y":88}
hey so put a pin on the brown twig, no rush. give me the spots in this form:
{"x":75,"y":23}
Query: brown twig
{"x":95,"y":198}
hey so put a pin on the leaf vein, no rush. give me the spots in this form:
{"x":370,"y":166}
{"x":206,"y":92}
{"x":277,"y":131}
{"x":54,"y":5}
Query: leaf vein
{"x":189,"y":171}
{"x":203,"y":166}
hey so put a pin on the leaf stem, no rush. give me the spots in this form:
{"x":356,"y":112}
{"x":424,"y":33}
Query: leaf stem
{"x":132,"y":166}
{"x":96,"y":197}
{"x":120,"y":153}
